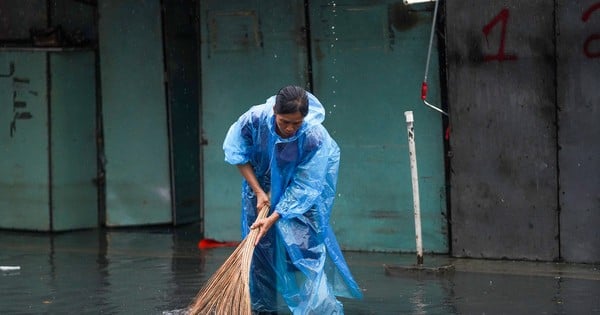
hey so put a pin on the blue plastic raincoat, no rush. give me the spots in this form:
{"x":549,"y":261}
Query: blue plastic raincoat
{"x":300,"y":256}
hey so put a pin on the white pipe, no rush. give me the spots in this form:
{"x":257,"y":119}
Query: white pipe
{"x":9,"y":268}
{"x":415,"y":184}
{"x":416,"y":1}
{"x":432,"y":106}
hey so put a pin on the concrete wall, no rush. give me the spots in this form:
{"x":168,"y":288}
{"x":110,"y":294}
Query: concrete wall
{"x":76,"y":19}
{"x":19,"y":17}
{"x":578,"y":101}
{"x":522,"y":113}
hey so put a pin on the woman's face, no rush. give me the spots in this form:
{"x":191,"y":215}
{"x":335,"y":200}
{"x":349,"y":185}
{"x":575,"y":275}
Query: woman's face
{"x":288,"y":124}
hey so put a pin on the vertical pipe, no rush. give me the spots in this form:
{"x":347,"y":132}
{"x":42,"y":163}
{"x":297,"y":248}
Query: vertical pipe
{"x":415,"y":184}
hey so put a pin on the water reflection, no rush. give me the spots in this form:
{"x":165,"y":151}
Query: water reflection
{"x":160,"y":270}
{"x":109,"y":272}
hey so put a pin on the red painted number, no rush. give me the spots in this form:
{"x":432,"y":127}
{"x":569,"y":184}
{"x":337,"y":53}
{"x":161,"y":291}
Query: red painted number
{"x":502,"y":17}
{"x":595,"y":37}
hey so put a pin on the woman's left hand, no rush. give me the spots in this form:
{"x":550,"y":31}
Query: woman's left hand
{"x":264,"y":225}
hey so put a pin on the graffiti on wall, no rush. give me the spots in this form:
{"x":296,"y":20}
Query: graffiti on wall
{"x":20,"y":86}
{"x":502,"y":18}
{"x":587,"y":50}
{"x":501,"y":21}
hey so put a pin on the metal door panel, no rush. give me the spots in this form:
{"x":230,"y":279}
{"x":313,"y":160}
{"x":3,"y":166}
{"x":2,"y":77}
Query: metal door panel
{"x":138,"y":185}
{"x":249,"y":50}
{"x":368,"y":63}
{"x":24,"y":180}
{"x":73,"y":141}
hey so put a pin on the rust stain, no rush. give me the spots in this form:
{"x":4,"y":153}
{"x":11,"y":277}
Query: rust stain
{"x":383,"y":214}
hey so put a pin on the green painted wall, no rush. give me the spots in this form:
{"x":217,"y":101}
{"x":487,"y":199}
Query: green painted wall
{"x":249,"y":50}
{"x":136,"y":146}
{"x":368,"y":65}
{"x":73,"y":140}
{"x":24,"y":192}
{"x":368,"y":59}
{"x":47,"y":140}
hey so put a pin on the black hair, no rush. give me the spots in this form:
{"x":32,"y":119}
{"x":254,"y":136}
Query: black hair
{"x":291,"y":99}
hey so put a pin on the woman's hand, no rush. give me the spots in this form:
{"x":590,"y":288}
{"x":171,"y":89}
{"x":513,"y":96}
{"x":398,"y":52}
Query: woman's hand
{"x":262,"y":200}
{"x":264,"y":225}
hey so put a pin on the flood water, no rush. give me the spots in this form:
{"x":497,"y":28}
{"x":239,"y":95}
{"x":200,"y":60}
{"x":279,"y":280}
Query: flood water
{"x":159,"y":270}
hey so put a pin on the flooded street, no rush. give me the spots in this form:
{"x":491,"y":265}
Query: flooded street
{"x":159,"y":270}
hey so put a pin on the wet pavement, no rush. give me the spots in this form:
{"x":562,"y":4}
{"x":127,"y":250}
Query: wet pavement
{"x":158,"y":270}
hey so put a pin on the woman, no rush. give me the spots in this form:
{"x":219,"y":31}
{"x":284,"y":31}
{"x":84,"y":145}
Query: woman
{"x":290,"y":163}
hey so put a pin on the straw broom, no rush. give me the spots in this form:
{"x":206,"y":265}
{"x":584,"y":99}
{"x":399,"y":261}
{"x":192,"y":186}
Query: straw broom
{"x":227,"y":292}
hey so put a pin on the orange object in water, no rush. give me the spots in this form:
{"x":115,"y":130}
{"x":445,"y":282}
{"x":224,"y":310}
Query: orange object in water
{"x":206,"y":243}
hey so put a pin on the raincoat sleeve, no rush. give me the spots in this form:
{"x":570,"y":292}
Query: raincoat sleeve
{"x":238,"y":141}
{"x":315,"y":176}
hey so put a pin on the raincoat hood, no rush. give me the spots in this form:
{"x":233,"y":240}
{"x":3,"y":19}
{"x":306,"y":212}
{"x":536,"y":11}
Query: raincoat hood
{"x":315,"y":116}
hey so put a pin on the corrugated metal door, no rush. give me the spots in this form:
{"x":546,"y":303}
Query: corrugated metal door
{"x":368,"y":62}
{"x":249,"y":50}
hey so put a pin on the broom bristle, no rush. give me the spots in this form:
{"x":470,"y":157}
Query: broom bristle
{"x":228,"y":290}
